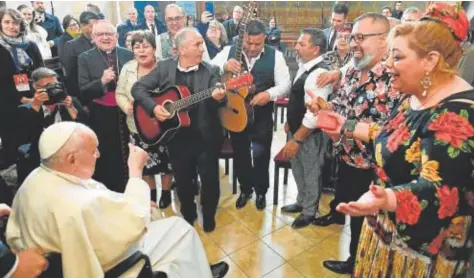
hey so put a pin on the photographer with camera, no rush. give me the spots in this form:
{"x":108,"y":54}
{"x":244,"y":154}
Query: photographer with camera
{"x":51,"y":104}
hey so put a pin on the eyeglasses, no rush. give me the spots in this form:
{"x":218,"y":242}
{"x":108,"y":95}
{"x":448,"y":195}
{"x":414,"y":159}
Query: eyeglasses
{"x":104,"y":34}
{"x":360,"y":37}
{"x":73,"y":25}
{"x":345,"y":37}
{"x":174,"y":19}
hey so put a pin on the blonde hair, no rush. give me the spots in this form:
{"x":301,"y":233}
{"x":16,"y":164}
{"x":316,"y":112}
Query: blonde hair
{"x":426,"y":36}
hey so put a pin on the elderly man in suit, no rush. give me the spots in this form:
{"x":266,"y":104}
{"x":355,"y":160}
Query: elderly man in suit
{"x":99,"y":69}
{"x":73,"y":48}
{"x":198,"y":145}
{"x":338,"y":19}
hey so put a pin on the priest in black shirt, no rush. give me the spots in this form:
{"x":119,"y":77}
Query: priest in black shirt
{"x":196,"y":146}
{"x":99,"y":69}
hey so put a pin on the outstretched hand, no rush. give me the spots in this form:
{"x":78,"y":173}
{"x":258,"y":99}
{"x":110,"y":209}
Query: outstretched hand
{"x":374,"y":200}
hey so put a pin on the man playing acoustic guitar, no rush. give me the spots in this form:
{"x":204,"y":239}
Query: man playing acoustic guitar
{"x":198,"y":145}
{"x":272,"y":80}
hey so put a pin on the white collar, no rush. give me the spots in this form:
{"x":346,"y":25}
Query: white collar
{"x":193,"y":68}
{"x":71,"y":178}
{"x":257,"y":57}
{"x":308,"y":65}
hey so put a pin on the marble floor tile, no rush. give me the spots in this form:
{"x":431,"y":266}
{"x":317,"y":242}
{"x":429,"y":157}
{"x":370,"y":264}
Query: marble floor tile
{"x":234,"y":270}
{"x":232,"y":237}
{"x":287,"y":243}
{"x":310,"y":263}
{"x":284,"y":271}
{"x":262,"y":223}
{"x":213,"y":252}
{"x":257,"y":259}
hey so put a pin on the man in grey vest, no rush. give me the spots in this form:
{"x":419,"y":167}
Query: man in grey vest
{"x":307,"y":145}
{"x":272,"y":80}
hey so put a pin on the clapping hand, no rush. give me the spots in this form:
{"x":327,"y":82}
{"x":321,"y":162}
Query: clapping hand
{"x":137,"y":158}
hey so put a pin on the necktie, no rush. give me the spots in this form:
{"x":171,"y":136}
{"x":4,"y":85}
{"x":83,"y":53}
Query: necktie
{"x":153,"y":29}
{"x":333,"y":39}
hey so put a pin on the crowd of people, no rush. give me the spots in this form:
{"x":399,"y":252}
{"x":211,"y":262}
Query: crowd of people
{"x":376,"y":106}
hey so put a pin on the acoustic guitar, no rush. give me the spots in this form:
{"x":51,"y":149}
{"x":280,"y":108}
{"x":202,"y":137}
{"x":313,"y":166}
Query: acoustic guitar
{"x":238,"y":113}
{"x":175,"y":99}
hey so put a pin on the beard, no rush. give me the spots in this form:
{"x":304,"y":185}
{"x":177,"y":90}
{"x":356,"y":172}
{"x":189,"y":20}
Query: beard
{"x":364,"y":62}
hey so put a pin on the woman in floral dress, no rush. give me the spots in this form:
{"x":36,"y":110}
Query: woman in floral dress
{"x":419,"y":217}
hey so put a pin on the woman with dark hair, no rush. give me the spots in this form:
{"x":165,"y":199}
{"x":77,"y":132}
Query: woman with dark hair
{"x":35,"y":33}
{"x":143,"y":47}
{"x":72,"y":30}
{"x":190,"y":20}
{"x":19,"y":57}
{"x":273,"y":34}
{"x":419,"y":216}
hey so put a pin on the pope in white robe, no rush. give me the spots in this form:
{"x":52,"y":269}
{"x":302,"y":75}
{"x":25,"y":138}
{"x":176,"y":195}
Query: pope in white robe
{"x":94,"y":228}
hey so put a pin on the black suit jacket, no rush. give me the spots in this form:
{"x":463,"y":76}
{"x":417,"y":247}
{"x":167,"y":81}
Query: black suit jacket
{"x":7,"y":260}
{"x":164,"y":76}
{"x":91,"y":67}
{"x":69,"y":56}
{"x":160,"y":27}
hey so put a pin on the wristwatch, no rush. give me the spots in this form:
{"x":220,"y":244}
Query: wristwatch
{"x":347,"y":130}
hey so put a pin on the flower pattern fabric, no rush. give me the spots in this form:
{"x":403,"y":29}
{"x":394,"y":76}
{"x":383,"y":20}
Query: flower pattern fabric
{"x":370,"y":102}
{"x":426,"y":158}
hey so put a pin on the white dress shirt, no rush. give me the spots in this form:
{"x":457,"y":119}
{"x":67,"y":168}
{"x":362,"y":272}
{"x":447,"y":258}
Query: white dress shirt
{"x":281,"y":71}
{"x":156,"y":28}
{"x":309,"y":120}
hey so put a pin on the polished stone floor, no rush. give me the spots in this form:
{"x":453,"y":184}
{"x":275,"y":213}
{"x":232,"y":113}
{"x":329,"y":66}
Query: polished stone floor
{"x":262,"y":243}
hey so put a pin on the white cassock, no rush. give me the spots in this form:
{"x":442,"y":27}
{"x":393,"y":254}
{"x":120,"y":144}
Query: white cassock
{"x":94,"y":228}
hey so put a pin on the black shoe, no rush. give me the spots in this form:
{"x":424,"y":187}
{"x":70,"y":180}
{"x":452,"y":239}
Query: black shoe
{"x":328,"y":219}
{"x":219,"y":270}
{"x":292,"y":208}
{"x":165,"y":199}
{"x":341,"y":267}
{"x":190,"y":220}
{"x":302,"y":221}
{"x":209,"y":225}
{"x":242,"y":200}
{"x":260,"y":202}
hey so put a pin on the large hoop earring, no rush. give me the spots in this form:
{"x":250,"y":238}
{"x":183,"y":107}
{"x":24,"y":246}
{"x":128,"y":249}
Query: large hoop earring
{"x":426,"y":83}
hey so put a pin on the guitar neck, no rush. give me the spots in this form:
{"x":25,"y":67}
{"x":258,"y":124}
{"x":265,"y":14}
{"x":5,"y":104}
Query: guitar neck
{"x":240,"y":42}
{"x":193,"y":99}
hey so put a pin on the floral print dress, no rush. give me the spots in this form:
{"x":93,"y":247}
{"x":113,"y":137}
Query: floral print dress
{"x":426,"y":157}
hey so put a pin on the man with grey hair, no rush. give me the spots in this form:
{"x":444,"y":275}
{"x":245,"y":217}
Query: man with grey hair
{"x":99,"y":69}
{"x":307,"y":146}
{"x":43,"y":111}
{"x":61,"y":209}
{"x":129,"y":25}
{"x":411,"y":14}
{"x":364,"y":94}
{"x":175,"y":20}
{"x":196,"y":146}
{"x":232,"y":25}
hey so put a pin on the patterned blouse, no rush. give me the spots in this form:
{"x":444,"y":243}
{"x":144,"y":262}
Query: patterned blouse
{"x":371,"y":102}
{"x":426,"y":157}
{"x":335,"y":61}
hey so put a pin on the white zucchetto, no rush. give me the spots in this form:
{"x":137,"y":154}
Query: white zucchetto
{"x":54,"y":137}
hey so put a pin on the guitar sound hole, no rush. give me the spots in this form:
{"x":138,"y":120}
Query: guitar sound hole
{"x":167,"y":106}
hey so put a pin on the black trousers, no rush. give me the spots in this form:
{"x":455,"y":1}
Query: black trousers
{"x":252,"y":161}
{"x":187,"y":155}
{"x":352,"y":184}
{"x":111,"y":168}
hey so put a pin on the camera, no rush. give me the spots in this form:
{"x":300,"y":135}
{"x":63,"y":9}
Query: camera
{"x":56,"y":93}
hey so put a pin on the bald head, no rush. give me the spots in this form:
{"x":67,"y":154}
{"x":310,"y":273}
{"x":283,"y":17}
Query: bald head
{"x":184,"y":35}
{"x":174,"y":8}
{"x":105,"y":35}
{"x":378,"y":23}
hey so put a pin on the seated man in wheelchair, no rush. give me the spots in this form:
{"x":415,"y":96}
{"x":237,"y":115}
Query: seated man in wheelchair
{"x":50,"y":104}
{"x":61,"y":209}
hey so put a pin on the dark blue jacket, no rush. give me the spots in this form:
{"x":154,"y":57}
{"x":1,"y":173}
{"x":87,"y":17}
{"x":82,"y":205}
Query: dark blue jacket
{"x":7,"y":260}
{"x":161,"y":28}
{"x":52,"y":25}
{"x":124,"y":28}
